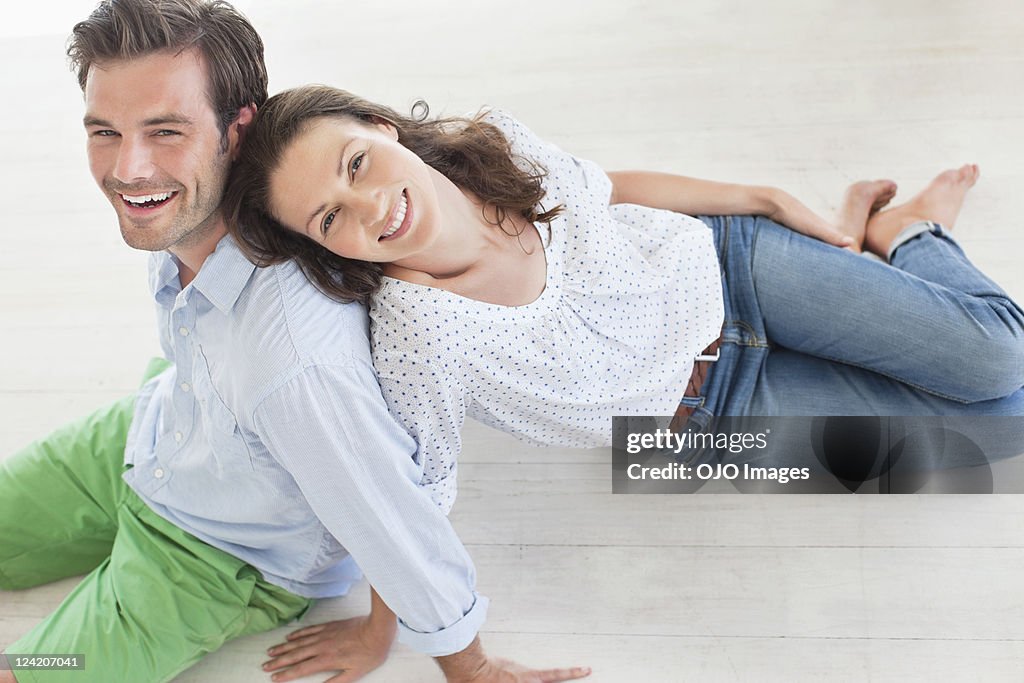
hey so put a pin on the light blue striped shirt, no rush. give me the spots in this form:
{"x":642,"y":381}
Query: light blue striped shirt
{"x":269,"y":439}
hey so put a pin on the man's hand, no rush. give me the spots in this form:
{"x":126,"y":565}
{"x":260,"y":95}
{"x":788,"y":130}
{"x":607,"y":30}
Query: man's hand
{"x":505,"y":671}
{"x":473,"y":666}
{"x":355,"y":647}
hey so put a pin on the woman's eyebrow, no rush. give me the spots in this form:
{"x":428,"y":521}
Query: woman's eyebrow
{"x":313,"y":215}
{"x":339,"y":171}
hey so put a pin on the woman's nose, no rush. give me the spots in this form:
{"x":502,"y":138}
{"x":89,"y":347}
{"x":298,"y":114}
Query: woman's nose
{"x":372,"y":207}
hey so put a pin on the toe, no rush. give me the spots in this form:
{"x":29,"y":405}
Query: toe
{"x":967,"y":174}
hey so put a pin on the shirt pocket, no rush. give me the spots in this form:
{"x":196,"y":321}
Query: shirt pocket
{"x":226,"y":440}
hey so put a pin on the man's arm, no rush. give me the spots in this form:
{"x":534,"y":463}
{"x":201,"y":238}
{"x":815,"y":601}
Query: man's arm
{"x":330,"y":428}
{"x":361,"y":644}
{"x":357,"y":646}
{"x":696,"y":197}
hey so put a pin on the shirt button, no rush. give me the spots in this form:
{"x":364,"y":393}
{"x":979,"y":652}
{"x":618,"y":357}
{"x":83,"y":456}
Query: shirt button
{"x":178,"y":436}
{"x":183,"y":331}
{"x":158,"y":473}
{"x":186,"y":387}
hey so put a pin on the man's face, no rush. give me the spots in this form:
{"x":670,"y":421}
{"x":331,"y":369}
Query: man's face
{"x":155,"y":149}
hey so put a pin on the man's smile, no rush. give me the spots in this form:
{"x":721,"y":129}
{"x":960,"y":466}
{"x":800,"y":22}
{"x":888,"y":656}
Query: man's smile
{"x":144,"y":204}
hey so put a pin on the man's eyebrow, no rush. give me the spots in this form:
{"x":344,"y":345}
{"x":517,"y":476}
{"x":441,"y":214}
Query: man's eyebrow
{"x":162,"y":120}
{"x":340,"y":171}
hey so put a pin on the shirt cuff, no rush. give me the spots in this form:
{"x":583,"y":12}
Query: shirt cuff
{"x":450,"y":639}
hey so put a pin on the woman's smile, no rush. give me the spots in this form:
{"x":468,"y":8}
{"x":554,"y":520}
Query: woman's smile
{"x":401,"y":219}
{"x":352,"y":187}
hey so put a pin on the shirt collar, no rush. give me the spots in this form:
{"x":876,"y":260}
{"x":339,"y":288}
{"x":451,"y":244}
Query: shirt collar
{"x":163,"y":275}
{"x":221,"y":279}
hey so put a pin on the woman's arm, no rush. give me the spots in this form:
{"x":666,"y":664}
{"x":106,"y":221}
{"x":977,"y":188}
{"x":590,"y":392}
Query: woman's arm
{"x":697,"y":197}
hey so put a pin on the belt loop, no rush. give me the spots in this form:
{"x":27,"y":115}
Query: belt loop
{"x":708,"y":358}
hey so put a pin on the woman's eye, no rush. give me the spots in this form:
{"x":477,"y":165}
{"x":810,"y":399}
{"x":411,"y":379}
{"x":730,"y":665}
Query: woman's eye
{"x":356,"y":162}
{"x":328,"y":219}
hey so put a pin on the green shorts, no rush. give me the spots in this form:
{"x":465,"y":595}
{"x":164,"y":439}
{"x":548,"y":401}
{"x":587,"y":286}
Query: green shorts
{"x":155,"y":599}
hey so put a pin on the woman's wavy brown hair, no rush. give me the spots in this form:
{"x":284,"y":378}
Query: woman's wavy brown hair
{"x":473,"y":154}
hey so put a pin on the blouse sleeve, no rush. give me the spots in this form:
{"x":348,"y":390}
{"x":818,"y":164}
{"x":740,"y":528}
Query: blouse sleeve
{"x":424,"y":392}
{"x":562,"y":167}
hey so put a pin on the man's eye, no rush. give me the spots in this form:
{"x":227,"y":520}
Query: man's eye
{"x":165,"y":132}
{"x":328,"y":219}
{"x":356,"y":162}
{"x":103,"y":133}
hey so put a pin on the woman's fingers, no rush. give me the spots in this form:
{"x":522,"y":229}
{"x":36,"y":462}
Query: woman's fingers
{"x":836,"y":238}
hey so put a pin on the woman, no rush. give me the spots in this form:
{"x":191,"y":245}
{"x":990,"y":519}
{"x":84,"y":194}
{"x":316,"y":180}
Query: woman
{"x":529,"y":289}
{"x":511,"y":281}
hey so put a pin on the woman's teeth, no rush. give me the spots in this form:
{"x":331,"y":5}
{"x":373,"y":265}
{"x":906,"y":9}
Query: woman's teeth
{"x":399,"y":217}
{"x":147,"y":200}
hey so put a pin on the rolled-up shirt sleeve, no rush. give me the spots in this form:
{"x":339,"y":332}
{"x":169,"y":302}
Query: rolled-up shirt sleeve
{"x":330,"y":428}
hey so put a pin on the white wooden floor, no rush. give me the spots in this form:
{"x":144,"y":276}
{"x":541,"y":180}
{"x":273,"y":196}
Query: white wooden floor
{"x":641,"y":588}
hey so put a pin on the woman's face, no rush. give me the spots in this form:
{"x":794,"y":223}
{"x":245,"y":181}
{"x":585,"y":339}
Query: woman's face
{"x":353,"y":188}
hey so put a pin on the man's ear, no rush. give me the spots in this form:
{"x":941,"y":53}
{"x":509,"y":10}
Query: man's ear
{"x":238,"y":127}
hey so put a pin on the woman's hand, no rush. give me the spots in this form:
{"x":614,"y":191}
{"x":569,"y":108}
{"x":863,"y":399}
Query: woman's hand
{"x":787,"y":210}
{"x":696,"y":197}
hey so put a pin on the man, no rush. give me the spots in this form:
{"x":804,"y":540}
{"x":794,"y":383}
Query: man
{"x":255,"y":470}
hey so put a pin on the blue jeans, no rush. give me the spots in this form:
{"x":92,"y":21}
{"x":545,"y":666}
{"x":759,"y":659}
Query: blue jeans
{"x":815,"y":330}
{"x":812,"y":329}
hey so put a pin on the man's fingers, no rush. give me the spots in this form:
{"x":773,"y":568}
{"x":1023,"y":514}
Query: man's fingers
{"x":291,"y":658}
{"x":284,"y":648}
{"x":345,"y":677}
{"x":295,"y":655}
{"x":306,"y":668}
{"x":556,"y":675}
{"x":308,"y":631}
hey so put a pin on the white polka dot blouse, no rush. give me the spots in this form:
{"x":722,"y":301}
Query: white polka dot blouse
{"x":632,"y":295}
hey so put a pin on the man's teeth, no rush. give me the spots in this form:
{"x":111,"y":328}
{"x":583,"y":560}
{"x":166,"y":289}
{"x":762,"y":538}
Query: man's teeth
{"x":399,"y":217}
{"x":142,"y":199}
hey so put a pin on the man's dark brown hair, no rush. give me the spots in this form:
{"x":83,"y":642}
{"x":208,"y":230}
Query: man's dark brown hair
{"x":127,"y":29}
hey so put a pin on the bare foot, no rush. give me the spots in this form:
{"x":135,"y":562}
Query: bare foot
{"x":939,"y":202}
{"x":861,"y":201}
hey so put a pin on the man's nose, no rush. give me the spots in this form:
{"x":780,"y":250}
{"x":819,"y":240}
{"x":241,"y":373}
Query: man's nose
{"x":134,"y":161}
